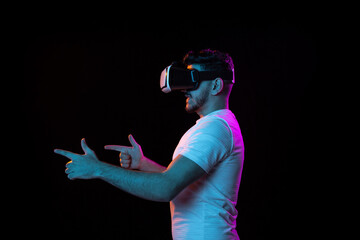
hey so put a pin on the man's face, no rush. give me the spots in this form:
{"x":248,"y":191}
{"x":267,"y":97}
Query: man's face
{"x":196,"y":99}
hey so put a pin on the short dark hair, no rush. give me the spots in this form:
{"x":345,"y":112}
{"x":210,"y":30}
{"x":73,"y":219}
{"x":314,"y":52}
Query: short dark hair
{"x":210,"y":60}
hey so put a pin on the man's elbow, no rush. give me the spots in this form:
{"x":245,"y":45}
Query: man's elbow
{"x":171,"y":195}
{"x":168,"y":195}
{"x":163,"y":196}
{"x":169,"y":191}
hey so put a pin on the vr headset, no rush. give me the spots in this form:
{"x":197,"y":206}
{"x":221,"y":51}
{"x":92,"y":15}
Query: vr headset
{"x":180,"y":77}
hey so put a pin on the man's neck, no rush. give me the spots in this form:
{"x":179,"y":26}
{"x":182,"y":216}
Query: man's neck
{"x":212,"y":108}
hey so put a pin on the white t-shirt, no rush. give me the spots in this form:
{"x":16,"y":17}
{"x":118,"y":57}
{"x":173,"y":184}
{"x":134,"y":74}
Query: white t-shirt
{"x":206,"y":208}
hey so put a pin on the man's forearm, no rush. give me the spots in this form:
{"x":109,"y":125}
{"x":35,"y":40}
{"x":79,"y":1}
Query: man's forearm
{"x":148,"y":165}
{"x":148,"y":185}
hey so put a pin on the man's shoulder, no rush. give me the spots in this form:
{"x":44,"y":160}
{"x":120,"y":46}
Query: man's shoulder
{"x":214,"y":126}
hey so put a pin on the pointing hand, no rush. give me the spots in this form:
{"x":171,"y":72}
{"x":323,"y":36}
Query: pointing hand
{"x":130,"y":157}
{"x":82,"y":166}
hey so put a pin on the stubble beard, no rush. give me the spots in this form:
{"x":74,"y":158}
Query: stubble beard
{"x":194,"y":104}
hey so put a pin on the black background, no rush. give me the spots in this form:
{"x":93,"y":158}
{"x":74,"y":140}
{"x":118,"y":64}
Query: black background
{"x":98,"y":77}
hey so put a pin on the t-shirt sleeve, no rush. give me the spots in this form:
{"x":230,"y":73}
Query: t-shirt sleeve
{"x":210,"y":144}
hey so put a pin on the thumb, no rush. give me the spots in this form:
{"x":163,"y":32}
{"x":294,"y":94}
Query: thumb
{"x":133,"y":142}
{"x":85,"y":147}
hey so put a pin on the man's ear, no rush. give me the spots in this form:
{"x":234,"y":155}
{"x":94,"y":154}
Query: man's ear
{"x":217,"y":87}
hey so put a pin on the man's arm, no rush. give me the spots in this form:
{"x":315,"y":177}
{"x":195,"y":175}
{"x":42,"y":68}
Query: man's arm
{"x":163,"y":186}
{"x":147,"y":165}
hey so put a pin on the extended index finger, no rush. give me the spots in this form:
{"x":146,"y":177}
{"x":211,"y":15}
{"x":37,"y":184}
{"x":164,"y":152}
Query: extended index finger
{"x":65,"y":153}
{"x":117,"y":148}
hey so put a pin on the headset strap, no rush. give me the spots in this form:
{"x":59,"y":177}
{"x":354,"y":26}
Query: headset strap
{"x":211,"y":75}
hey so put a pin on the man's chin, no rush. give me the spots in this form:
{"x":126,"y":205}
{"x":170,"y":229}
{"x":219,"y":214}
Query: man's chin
{"x":190,"y":109}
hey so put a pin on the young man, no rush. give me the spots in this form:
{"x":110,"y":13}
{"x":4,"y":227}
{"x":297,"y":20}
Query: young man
{"x":202,"y":181}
